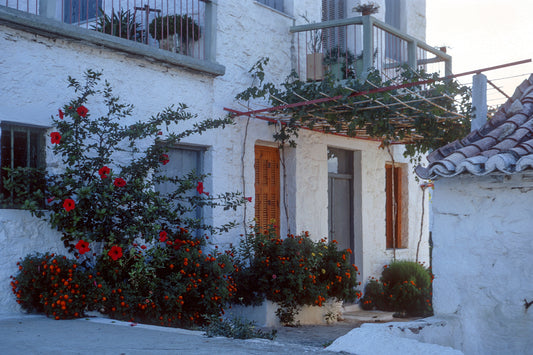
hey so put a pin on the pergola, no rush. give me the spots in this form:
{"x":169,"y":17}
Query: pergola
{"x":322,"y":114}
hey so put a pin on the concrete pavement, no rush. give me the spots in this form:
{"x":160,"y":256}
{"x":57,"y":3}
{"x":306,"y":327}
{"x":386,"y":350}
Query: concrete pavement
{"x":36,"y":334}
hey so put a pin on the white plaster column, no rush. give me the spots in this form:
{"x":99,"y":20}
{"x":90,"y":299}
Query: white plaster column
{"x":479,"y":101}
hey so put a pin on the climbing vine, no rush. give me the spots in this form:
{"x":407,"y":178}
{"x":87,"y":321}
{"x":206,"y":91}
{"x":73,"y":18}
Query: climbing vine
{"x":432,"y":111}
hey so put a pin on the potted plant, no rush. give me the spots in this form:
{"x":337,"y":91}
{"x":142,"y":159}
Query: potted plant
{"x":175,"y":32}
{"x":341,"y":63}
{"x":315,"y":57}
{"x":367,"y":9}
{"x":121,"y":24}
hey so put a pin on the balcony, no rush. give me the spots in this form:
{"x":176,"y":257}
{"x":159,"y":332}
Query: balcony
{"x":349,"y":48}
{"x":183,"y":27}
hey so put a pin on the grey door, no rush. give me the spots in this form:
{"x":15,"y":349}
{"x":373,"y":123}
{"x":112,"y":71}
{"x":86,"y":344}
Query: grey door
{"x":340,"y":198}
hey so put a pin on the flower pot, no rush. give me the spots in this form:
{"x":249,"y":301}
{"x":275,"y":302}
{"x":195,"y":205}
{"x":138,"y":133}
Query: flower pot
{"x":315,"y":66}
{"x":265,"y":314}
{"x":170,"y":43}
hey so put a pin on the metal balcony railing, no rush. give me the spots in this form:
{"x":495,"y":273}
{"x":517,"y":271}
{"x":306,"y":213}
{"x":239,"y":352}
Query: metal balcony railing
{"x":349,"y":48}
{"x":180,"y":26}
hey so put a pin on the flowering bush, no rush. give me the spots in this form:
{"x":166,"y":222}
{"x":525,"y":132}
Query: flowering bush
{"x":172,"y":283}
{"x":133,"y":241}
{"x":293,"y":272}
{"x":404,"y":287}
{"x":53,"y":285}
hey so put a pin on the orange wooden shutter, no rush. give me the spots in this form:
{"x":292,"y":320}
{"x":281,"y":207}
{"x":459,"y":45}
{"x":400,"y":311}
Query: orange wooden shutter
{"x":389,"y":205}
{"x":267,"y":186}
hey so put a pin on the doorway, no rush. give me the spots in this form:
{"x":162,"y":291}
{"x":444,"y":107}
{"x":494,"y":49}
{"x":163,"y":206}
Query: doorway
{"x":344,"y":201}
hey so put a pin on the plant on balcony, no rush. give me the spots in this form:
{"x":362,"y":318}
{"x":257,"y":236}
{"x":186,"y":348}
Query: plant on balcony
{"x":342,"y":64}
{"x":367,"y":9}
{"x":121,"y":24}
{"x":314,"y":57}
{"x":182,"y":26}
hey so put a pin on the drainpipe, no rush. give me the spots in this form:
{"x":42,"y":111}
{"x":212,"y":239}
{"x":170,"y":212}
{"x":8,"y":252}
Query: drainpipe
{"x":479,"y":101}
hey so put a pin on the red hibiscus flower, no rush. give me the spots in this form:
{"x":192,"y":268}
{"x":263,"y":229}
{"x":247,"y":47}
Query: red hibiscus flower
{"x":200,"y":189}
{"x":164,"y":159}
{"x":82,"y":111}
{"x":55,"y":137}
{"x":69,"y":204}
{"x":104,"y":172}
{"x":119,"y":182}
{"x":82,"y":246}
{"x":162,"y":236}
{"x":115,"y":252}
{"x":61,"y":114}
{"x":249,"y":199}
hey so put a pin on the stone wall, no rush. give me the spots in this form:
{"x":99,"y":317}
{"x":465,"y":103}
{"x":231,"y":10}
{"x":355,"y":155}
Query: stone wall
{"x":483,"y":242}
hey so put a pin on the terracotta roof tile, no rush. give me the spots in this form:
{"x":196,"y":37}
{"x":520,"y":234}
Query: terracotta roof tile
{"x":503,"y":144}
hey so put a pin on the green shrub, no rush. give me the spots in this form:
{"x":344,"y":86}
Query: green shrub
{"x":182,"y":25}
{"x":404,"y":287}
{"x":407,"y":284}
{"x":293,"y":272}
{"x":373,"y":296}
{"x":236,"y":328}
{"x":53,"y":285}
{"x":121,"y":24}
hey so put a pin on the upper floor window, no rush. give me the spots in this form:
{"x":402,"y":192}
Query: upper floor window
{"x":76,"y":11}
{"x":395,"y":48}
{"x":334,"y":38}
{"x":392,"y":13}
{"x":21,"y":146}
{"x":275,"y":4}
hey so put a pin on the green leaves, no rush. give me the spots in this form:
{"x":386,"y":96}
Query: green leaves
{"x":95,"y":135}
{"x":293,"y":272}
{"x":422,"y":113}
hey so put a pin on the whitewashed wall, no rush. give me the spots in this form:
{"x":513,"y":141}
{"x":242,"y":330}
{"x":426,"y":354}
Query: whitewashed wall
{"x":34,"y":69}
{"x":312,"y":198}
{"x":483,"y":244}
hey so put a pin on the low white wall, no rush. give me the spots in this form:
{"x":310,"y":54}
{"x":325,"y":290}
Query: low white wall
{"x":483,"y":243}
{"x":264,"y":315}
{"x":21,"y":234}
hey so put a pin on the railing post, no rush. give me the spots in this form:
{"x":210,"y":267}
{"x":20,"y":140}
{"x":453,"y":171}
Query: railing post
{"x":448,"y":67}
{"x":411,"y":54}
{"x":47,"y":8}
{"x":210,"y":30}
{"x":368,"y":45}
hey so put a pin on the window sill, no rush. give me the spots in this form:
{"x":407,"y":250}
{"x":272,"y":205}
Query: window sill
{"x":55,"y":29}
{"x":274,"y":10}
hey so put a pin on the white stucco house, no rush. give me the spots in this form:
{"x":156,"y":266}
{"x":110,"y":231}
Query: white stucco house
{"x":483,"y":231}
{"x":43,"y":42}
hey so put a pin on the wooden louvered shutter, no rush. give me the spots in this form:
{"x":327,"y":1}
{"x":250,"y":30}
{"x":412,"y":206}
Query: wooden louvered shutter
{"x":389,"y":205}
{"x":267,"y":186}
{"x":333,"y":38}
